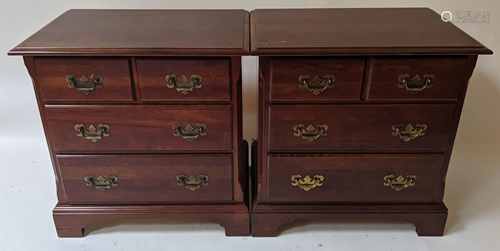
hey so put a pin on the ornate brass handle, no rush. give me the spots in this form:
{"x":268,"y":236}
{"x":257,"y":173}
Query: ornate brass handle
{"x":92,"y":133}
{"x":399,"y":183}
{"x":85,"y":85}
{"x":310,"y":133}
{"x":317,"y":85}
{"x":185,"y":85}
{"x":408,"y":133}
{"x":192,"y":183}
{"x":415,"y":84}
{"x":190,"y":133}
{"x":307,"y":183}
{"x":100,"y":183}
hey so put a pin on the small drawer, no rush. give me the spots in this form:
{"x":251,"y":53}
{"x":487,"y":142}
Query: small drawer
{"x":360,"y":127}
{"x":146,"y":178}
{"x":416,"y":78}
{"x":84,"y":79}
{"x":182,"y":79}
{"x":317,"y":78}
{"x":353,"y":178}
{"x":138,"y":127}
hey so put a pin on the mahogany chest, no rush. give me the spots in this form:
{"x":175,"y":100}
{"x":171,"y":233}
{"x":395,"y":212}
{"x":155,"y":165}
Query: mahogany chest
{"x":358,"y":112}
{"x":142,"y":114}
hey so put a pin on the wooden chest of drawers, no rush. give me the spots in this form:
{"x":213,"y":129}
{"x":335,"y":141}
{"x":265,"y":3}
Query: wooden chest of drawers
{"x":358,"y":113}
{"x":142,"y":114}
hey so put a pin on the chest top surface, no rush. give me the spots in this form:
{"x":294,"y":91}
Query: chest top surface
{"x":357,"y":31}
{"x":141,"y":32}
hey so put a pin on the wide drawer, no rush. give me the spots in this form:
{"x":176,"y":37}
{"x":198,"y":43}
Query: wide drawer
{"x":353,"y":178}
{"x":83,"y":79}
{"x":317,"y":78}
{"x":359,"y":127}
{"x":184,"y":79}
{"x":416,"y":78}
{"x":146,"y":178}
{"x":140,"y":127}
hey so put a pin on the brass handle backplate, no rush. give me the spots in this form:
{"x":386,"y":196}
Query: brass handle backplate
{"x":101,"y":183}
{"x":307,"y":183}
{"x":408,"y":133}
{"x":310,"y":133}
{"x":84,"y":85}
{"x":192,"y":183}
{"x":190,"y":133}
{"x":316,"y":85}
{"x":185,"y":85}
{"x":400,"y":182}
{"x":415,"y":84}
{"x":92,"y":133}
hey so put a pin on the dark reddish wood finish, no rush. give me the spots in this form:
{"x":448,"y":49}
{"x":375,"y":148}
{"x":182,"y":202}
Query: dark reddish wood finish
{"x":353,"y":178}
{"x":140,"y":33}
{"x":467,"y":74}
{"x":359,"y":127}
{"x":72,"y":220}
{"x":146,"y":179}
{"x":389,"y":41}
{"x":286,"y":72}
{"x":96,"y":35}
{"x":29,"y":62}
{"x":359,"y":31}
{"x":135,"y":127}
{"x":383,"y":83}
{"x":52,"y":72}
{"x":214,"y":71}
{"x":429,"y":219}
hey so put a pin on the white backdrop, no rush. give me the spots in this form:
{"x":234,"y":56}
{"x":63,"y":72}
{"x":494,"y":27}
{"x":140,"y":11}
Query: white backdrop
{"x":27,"y":193}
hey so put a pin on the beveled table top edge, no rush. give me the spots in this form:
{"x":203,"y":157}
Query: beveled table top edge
{"x":241,"y":48}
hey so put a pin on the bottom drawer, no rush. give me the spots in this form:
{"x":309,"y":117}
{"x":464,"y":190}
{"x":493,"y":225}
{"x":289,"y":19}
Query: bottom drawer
{"x":146,"y":179}
{"x":353,"y":178}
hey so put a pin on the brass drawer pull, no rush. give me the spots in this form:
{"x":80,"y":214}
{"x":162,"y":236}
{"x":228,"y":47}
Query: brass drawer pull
{"x":192,"y":183}
{"x":409,"y":132}
{"x":415,"y":84}
{"x":100,"y":183}
{"x":310,"y":133}
{"x":185,"y":85}
{"x":190,"y":133}
{"x":92,"y":133}
{"x":307,"y":183}
{"x":85,"y":85}
{"x":317,"y":85}
{"x":399,"y":183}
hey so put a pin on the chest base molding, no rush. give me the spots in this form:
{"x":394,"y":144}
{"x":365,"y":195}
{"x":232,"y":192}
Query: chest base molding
{"x":429,"y":219}
{"x":72,"y":221}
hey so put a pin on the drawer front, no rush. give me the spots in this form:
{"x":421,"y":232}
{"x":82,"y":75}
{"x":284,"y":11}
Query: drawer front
{"x":317,"y":78}
{"x":353,"y":178}
{"x":360,"y":127}
{"x":84,"y":79}
{"x":184,"y":79}
{"x":416,"y":78}
{"x":114,"y":128}
{"x":146,"y":179}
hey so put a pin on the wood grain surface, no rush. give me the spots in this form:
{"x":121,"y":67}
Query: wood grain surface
{"x":359,"y":127}
{"x":141,"y":127}
{"x":146,"y":179}
{"x":215,"y":75}
{"x":115,"y":73}
{"x":353,"y":178}
{"x":286,"y":72}
{"x":342,"y":31}
{"x":448,"y":72}
{"x":141,"y":32}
